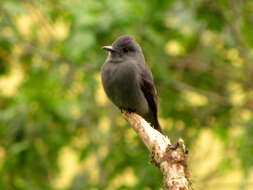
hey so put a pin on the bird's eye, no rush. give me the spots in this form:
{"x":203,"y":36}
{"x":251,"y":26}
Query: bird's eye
{"x":125,"y":50}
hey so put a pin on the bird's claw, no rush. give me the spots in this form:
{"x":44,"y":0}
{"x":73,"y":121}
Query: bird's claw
{"x":127,"y":110}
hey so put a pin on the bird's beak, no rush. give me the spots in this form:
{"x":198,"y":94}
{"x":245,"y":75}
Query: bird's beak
{"x":108,"y":48}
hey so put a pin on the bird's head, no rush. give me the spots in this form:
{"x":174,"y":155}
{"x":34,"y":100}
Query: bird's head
{"x":124,"y":46}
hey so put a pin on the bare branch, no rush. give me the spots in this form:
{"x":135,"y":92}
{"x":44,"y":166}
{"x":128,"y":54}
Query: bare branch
{"x":170,"y":159}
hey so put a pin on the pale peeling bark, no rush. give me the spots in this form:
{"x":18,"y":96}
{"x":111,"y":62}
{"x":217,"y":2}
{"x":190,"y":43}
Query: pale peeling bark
{"x":170,"y":159}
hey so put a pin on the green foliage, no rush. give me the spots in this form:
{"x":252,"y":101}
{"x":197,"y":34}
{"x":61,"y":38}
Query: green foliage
{"x":51,"y":100}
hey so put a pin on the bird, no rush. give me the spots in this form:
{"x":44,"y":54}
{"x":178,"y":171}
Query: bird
{"x":127,"y":80}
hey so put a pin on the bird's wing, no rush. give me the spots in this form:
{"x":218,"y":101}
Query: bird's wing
{"x":149,"y":91}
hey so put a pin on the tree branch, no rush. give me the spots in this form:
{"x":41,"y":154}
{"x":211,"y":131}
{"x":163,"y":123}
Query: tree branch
{"x":170,"y":159}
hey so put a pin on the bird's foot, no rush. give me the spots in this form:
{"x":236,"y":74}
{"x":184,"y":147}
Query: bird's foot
{"x":128,"y":110}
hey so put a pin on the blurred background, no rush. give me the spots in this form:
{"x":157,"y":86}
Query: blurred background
{"x":58,"y":131}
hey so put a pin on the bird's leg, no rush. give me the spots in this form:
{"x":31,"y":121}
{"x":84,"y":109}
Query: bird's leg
{"x":128,"y":110}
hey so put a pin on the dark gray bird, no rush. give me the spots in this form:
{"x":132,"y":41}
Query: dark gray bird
{"x":127,"y":80}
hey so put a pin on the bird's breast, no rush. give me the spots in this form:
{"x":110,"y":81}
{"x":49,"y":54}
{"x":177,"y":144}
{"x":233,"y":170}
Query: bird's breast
{"x":119,"y":77}
{"x":121,"y":84}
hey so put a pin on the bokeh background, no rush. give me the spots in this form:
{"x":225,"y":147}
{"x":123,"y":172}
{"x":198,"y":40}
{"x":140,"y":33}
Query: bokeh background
{"x":58,"y":131}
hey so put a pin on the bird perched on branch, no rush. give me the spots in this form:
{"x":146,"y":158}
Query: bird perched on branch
{"x":127,"y":80}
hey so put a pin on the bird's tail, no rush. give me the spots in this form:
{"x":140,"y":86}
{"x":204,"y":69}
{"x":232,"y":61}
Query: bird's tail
{"x":157,"y":125}
{"x":153,"y":120}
